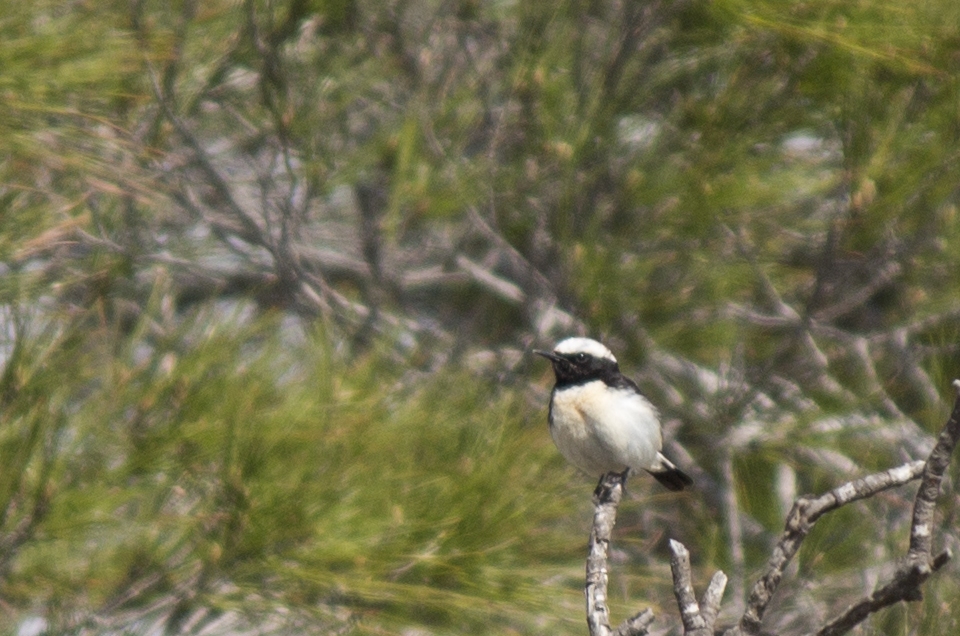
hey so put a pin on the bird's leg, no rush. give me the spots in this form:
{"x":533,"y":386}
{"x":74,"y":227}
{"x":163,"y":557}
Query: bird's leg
{"x":599,"y":489}
{"x":602,"y":491}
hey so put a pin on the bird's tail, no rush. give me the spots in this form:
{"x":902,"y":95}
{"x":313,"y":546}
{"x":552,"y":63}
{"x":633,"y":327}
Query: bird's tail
{"x":669,"y":475}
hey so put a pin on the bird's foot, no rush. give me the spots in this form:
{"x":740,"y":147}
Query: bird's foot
{"x":607,"y":483}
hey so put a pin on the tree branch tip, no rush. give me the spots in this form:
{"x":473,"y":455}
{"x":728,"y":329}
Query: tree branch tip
{"x":636,"y":625}
{"x":719,"y":578}
{"x":677,"y":548}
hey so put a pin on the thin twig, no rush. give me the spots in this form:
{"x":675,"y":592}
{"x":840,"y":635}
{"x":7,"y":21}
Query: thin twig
{"x":855,"y":299}
{"x":499,"y":287}
{"x":253,"y":232}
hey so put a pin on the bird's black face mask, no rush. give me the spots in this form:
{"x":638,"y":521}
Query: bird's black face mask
{"x":574,"y":368}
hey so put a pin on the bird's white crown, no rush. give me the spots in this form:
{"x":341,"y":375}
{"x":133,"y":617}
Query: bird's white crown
{"x":584,"y":345}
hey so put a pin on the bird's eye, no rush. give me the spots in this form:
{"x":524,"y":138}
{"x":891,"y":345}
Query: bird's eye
{"x":581,"y":357}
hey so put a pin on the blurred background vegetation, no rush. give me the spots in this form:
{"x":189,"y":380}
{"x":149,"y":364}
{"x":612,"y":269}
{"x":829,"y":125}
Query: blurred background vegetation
{"x":270,"y":272}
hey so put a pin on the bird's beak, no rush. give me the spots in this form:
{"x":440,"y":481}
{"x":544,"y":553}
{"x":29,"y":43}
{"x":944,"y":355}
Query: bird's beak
{"x":549,"y":355}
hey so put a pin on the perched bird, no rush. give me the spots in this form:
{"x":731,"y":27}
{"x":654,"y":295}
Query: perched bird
{"x":598,"y":418}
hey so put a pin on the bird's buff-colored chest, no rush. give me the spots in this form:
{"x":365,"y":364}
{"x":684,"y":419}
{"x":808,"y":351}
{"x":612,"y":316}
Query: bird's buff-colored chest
{"x":599,"y":429}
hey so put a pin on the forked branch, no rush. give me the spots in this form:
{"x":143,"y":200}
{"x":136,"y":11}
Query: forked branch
{"x":698,"y":617}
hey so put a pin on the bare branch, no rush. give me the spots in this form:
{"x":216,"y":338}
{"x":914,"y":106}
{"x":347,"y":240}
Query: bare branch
{"x":606,"y":499}
{"x":918,"y":565}
{"x":636,"y":625}
{"x":693,"y":622}
{"x":253,"y":232}
{"x":710,"y":602}
{"x":905,"y":586}
{"x":805,"y":513}
{"x":885,"y":273}
{"x":528,"y":276}
{"x":935,"y":467}
{"x":490,"y":281}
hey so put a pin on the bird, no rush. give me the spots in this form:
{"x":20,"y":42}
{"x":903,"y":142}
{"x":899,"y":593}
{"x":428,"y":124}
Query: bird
{"x":599,"y":419}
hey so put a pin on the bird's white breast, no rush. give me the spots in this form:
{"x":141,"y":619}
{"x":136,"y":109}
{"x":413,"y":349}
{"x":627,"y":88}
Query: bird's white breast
{"x":600,"y":429}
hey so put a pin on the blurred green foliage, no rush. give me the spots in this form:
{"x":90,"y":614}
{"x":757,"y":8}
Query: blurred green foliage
{"x":272,"y":472}
{"x":179,"y":445}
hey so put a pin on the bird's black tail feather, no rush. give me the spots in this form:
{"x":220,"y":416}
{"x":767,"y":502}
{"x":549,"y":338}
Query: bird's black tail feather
{"x":673,"y":479}
{"x":669,"y":475}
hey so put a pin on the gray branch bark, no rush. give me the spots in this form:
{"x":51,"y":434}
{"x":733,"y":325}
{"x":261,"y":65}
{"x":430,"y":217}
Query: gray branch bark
{"x":606,"y":499}
{"x":806,"y":511}
{"x":919,"y":563}
{"x":698,"y":618}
